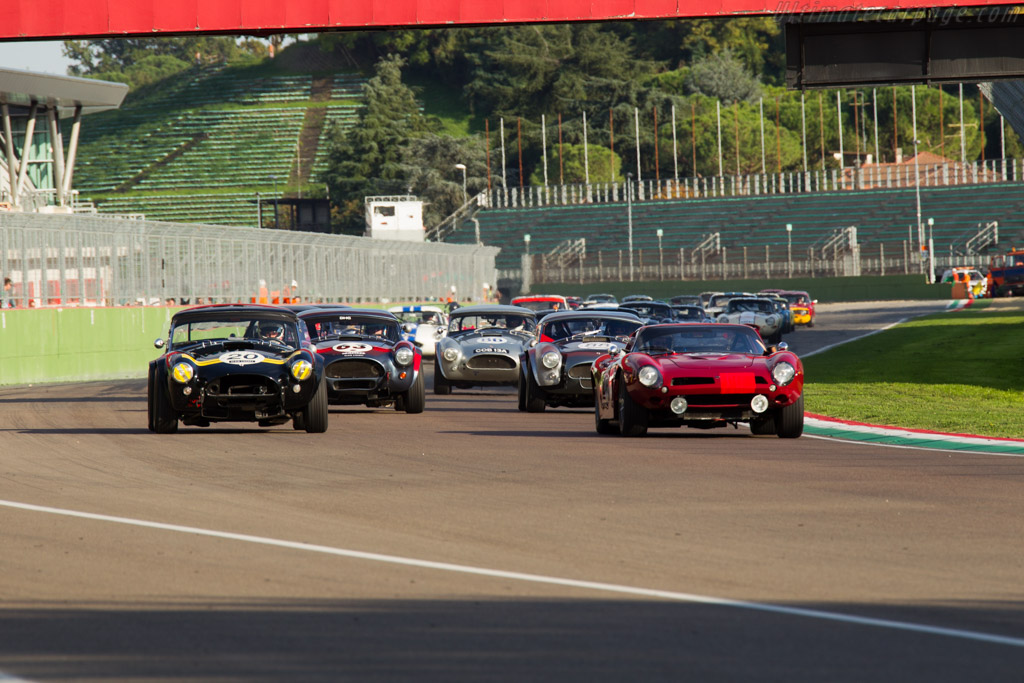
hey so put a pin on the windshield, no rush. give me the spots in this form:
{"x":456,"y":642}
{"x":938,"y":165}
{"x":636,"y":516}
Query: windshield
{"x":483,"y":321}
{"x":690,"y":313}
{"x":346,"y":325}
{"x":235,"y":327}
{"x":563,"y":329}
{"x":650,"y":310}
{"x":541,"y":305}
{"x":749,"y":305}
{"x":699,"y":339}
{"x":419,"y":317}
{"x":800,"y":299}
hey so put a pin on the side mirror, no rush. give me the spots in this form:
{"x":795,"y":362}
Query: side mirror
{"x":614,"y":350}
{"x":159,"y":343}
{"x":782,"y":346}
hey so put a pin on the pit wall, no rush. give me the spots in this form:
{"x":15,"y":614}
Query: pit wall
{"x":78,"y":344}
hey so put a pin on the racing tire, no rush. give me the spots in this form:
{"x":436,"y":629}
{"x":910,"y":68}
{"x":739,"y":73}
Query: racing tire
{"x":441,"y":385}
{"x":522,"y":387}
{"x":534,"y":402}
{"x":789,"y":421}
{"x":633,"y":417}
{"x":414,"y":400}
{"x":314,"y":415}
{"x":165,"y":421}
{"x":602,"y":426}
{"x":763,"y":425}
{"x":149,"y":401}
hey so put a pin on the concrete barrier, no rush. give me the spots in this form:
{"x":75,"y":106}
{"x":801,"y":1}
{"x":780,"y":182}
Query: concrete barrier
{"x":78,"y":344}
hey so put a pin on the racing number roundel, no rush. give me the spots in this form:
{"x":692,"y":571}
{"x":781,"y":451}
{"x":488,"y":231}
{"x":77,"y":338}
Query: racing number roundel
{"x":352,"y":348}
{"x":242,"y":358}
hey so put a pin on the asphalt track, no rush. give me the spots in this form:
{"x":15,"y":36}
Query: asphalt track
{"x":477,"y":543}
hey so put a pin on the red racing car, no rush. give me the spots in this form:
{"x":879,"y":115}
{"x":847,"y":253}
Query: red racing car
{"x":699,"y":375}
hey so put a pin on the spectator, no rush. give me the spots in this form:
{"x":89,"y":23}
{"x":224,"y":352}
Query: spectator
{"x":5,"y":301}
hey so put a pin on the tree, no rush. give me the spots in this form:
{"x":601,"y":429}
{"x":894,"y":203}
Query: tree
{"x":429,"y":166}
{"x":367,"y":159}
{"x":724,"y":77}
{"x":603,"y":164}
{"x":141,"y":61}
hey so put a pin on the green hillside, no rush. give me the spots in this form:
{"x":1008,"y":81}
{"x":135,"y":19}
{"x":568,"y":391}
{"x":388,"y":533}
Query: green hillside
{"x":198,"y":146}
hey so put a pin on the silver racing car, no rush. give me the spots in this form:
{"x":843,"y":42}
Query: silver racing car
{"x":483,"y":347}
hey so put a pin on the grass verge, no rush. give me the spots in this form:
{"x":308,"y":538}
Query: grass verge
{"x":957,"y":372}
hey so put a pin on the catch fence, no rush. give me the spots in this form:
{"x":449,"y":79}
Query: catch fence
{"x":76,"y":260}
{"x":763,"y":263}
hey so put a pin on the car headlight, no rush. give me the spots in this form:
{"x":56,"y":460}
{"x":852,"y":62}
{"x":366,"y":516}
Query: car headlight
{"x":450,"y":354}
{"x":403,"y":355}
{"x":649,"y":376}
{"x":183,"y":372}
{"x":551,"y":359}
{"x":783,"y":373}
{"x":302,"y":369}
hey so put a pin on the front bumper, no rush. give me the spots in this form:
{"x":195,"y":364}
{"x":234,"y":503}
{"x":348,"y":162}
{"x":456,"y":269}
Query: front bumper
{"x":364,"y":381}
{"x":482,"y":368}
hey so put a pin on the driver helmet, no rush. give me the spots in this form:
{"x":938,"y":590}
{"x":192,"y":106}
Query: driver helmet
{"x":272,"y":331}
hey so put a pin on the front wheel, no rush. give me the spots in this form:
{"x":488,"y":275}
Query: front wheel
{"x":414,"y":400}
{"x":633,"y":417}
{"x":602,"y":426}
{"x":789,"y":421}
{"x":165,"y":420}
{"x":762,"y":425}
{"x":315,"y":413}
{"x":534,"y":401}
{"x":441,"y":385}
{"x":522,"y":387}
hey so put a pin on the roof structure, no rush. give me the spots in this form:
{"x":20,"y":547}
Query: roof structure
{"x":22,"y":88}
{"x":31,"y":104}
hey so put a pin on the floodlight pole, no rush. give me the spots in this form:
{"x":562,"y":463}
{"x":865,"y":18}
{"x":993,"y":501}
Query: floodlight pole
{"x":789,"y":248}
{"x":661,"y":256}
{"x":465,"y":197}
{"x":629,"y":219}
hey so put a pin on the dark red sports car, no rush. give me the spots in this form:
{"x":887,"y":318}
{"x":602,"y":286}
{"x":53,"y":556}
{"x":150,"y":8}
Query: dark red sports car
{"x":699,"y":375}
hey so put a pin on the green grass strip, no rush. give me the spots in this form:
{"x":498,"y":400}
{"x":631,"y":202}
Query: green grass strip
{"x":959,"y":372}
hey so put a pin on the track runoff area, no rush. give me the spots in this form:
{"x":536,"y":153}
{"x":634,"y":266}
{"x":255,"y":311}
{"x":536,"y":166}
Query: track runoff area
{"x":996,"y":643}
{"x":821,"y":426}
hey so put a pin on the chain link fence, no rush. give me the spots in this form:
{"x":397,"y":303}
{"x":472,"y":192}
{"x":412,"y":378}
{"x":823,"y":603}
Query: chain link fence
{"x":69,"y":260}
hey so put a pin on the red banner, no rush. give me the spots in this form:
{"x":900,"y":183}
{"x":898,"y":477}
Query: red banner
{"x":23,"y":19}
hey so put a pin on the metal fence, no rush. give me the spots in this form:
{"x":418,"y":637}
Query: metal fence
{"x":906,"y":175}
{"x":69,"y":260}
{"x":761,"y":263}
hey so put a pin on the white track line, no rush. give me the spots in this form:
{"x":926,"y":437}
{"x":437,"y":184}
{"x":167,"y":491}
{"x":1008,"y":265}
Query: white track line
{"x":853,"y":339}
{"x":536,"y":578}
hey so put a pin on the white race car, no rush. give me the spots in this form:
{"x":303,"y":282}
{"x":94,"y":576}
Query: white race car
{"x":754,"y":312}
{"x":422,"y":325}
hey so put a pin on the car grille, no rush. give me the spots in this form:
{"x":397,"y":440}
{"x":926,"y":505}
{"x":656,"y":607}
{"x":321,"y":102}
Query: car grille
{"x":490,"y":362}
{"x":355,"y":369}
{"x":242,"y":386}
{"x":581,"y":371}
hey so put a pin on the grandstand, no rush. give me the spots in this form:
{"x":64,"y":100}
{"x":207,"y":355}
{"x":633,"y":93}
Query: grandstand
{"x":882,"y":217}
{"x":200,"y":148}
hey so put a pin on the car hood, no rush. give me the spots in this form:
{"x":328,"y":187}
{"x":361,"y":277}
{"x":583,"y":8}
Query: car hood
{"x":240,"y":352}
{"x":721,"y":362}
